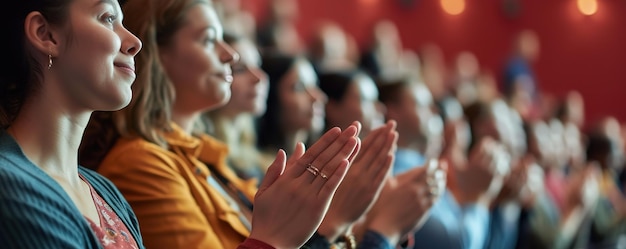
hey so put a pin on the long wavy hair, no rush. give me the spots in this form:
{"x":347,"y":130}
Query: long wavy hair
{"x":149,"y":112}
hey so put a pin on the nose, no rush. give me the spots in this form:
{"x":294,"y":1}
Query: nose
{"x":258,"y":75}
{"x":131,"y":45}
{"x":317,"y":95}
{"x":227,"y":53}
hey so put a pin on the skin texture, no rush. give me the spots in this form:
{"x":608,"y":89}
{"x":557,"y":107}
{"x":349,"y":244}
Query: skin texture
{"x":304,"y":198}
{"x":92,"y":69}
{"x":363,"y":182}
{"x":301,"y":99}
{"x":250,"y":83}
{"x":291,"y":202}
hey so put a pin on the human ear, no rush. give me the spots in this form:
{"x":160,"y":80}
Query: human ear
{"x":40,"y":34}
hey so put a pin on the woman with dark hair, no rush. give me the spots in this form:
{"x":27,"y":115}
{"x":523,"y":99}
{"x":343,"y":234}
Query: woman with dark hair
{"x":294,"y":111}
{"x":295,"y":104}
{"x":68,"y":59}
{"x":352,"y":95}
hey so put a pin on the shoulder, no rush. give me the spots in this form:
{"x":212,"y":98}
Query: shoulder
{"x":134,"y":154}
{"x":135,"y":147}
{"x":35,"y":211}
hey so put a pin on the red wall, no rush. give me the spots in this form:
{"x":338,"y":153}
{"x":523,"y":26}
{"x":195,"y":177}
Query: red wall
{"x":584,"y":53}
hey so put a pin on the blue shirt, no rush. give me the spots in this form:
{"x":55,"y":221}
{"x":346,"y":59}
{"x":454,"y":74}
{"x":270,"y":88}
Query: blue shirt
{"x":452,"y":226}
{"x":406,"y":160}
{"x":449,"y":226}
{"x":518,"y":66}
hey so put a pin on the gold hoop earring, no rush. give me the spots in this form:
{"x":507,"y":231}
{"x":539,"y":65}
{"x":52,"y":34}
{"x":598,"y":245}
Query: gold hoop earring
{"x":49,"y":61}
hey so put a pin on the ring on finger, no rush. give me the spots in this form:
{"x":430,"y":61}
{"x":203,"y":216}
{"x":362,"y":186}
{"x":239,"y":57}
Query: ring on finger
{"x":324,"y":176}
{"x":312,"y":169}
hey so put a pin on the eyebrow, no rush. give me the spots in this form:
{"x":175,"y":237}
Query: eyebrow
{"x":104,"y":2}
{"x":110,"y":2}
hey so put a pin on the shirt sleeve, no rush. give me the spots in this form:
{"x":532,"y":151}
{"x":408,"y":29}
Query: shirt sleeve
{"x":254,"y":244}
{"x":476,"y":220}
{"x":374,"y":240}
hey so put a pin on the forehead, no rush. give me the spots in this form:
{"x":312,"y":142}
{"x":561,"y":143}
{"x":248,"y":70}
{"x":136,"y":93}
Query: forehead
{"x":88,"y":4}
{"x":365,"y":86}
{"x":305,"y":72}
{"x":201,"y":16}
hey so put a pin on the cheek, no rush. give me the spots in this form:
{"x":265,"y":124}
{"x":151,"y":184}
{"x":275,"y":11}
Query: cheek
{"x":238,"y":89}
{"x":201,"y":63}
{"x":191,"y":64}
{"x":93,"y":52}
{"x":303,"y":104}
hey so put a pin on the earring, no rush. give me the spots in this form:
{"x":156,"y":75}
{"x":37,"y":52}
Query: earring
{"x":49,"y":61}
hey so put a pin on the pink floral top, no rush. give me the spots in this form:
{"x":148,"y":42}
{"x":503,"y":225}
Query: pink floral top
{"x":110,"y":230}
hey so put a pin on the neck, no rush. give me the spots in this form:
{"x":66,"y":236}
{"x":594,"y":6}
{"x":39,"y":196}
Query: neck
{"x":185,"y":120}
{"x":225,"y":128}
{"x":50,"y":136}
{"x":407,"y":142}
{"x":227,"y":113}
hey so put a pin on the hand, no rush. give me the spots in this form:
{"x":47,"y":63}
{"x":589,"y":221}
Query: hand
{"x":482,"y":178}
{"x":406,"y":199}
{"x":362,"y":183}
{"x":515,"y":182}
{"x":583,"y":188}
{"x":295,"y":194}
{"x":534,"y":185}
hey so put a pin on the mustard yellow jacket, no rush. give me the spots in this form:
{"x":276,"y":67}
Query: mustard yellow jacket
{"x":169,"y":192}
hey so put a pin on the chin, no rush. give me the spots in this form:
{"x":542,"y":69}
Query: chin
{"x":118,"y":102}
{"x":220,"y":102}
{"x":258,"y":111}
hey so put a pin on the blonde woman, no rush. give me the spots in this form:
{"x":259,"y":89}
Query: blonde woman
{"x":177,"y":181}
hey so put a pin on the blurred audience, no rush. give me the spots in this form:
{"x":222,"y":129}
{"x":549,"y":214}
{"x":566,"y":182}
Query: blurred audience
{"x":446,"y":154}
{"x":278,"y":32}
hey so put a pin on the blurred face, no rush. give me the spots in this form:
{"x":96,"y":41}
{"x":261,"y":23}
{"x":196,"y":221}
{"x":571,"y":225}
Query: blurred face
{"x":250,"y":83}
{"x":573,"y":144}
{"x":559,"y":147}
{"x":360,"y":103}
{"x":415,"y":112}
{"x":541,"y":144}
{"x":301,"y":99}
{"x":197,"y":62}
{"x":97,"y":66}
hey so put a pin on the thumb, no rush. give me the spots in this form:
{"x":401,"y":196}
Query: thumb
{"x":273,"y":172}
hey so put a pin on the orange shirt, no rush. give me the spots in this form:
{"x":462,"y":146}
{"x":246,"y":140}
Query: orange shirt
{"x":169,"y":191}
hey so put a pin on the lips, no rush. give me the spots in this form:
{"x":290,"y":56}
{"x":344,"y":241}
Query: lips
{"x":225,"y":75}
{"x":125,"y":66}
{"x":228,"y":78}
